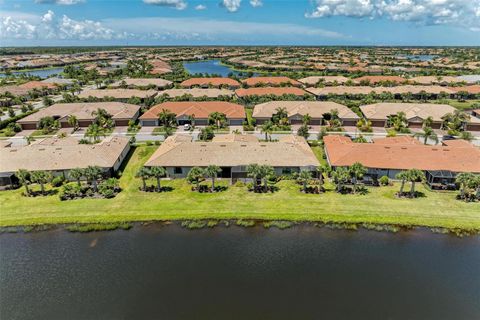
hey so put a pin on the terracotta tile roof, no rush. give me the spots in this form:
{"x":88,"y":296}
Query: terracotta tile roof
{"x":201,"y":109}
{"x":288,"y":152}
{"x":62,"y":154}
{"x":326,"y":79}
{"x":377,"y":79}
{"x":433,"y":79}
{"x":38,"y":85}
{"x":210,"y":81}
{"x":474,"y":89}
{"x":341,"y":151}
{"x":397,"y":140}
{"x":263,"y":91}
{"x":144,"y":82}
{"x":83,"y":111}
{"x":340,"y":90}
{"x":270,"y":81}
{"x":316,"y":109}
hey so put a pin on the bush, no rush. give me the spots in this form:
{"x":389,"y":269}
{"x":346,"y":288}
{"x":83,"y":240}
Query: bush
{"x":107,"y":193}
{"x":384,"y":181}
{"x":149,"y":143}
{"x":239,"y":184}
{"x":157,"y":142}
{"x":58,"y":181}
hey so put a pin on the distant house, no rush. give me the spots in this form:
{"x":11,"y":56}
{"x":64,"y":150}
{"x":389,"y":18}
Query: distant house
{"x":267,"y":91}
{"x":472,"y":90}
{"x":121,"y":113}
{"x":200,"y":110}
{"x":210,"y":82}
{"x":389,"y":156}
{"x":122,"y":95}
{"x":197,"y":92}
{"x":133,"y":83}
{"x":396,"y":91}
{"x":313,"y":80}
{"x":428,"y":80}
{"x":416,"y":113}
{"x":40,"y":85}
{"x":476,"y":113}
{"x":233,"y":153}
{"x":317,"y":110}
{"x":59,"y":156}
{"x":271,"y":81}
{"x":59,"y":81}
{"x":378,"y":79}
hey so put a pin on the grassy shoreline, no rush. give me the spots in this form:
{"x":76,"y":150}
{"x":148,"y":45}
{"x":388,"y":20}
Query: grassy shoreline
{"x":378,"y":207}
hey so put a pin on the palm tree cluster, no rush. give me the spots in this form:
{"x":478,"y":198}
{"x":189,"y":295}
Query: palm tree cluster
{"x":260,"y":173}
{"x":334,"y":123}
{"x":48,"y":125}
{"x":412,"y":176}
{"x":469,"y":184}
{"x":345,"y":175}
{"x":26,"y":178}
{"x":146,"y":173}
{"x":217,"y":119}
{"x":398,"y":122}
{"x":428,"y":133}
{"x":196,"y":175}
{"x":167,"y":119}
{"x":455,"y":122}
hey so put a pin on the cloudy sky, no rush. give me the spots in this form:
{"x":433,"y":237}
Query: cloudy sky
{"x":243,"y":22}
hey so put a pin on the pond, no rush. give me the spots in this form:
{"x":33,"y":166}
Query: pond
{"x":166,"y":272}
{"x":421,"y":57}
{"x":208,"y":67}
{"x":42,"y":73}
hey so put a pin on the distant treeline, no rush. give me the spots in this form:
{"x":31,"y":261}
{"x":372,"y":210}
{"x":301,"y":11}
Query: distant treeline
{"x":53,"y":50}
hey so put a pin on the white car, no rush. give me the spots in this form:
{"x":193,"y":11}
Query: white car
{"x":186,"y":127}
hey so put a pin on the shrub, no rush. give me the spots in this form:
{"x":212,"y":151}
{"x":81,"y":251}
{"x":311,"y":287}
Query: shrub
{"x":384,"y":181}
{"x":245,"y":223}
{"x":149,"y":143}
{"x":239,"y":184}
{"x":157,"y":142}
{"x":58,"y":181}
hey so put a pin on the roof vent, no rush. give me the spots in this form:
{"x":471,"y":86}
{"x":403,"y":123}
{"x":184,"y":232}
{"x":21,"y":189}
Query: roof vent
{"x":223,"y":145}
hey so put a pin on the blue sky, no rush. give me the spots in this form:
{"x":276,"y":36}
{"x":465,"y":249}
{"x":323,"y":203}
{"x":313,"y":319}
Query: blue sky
{"x":242,"y":22}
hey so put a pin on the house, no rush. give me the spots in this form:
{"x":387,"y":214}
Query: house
{"x":60,"y":155}
{"x":140,"y":83}
{"x":270,"y":91}
{"x":416,"y":113}
{"x":121,"y":113}
{"x":197,"y":93}
{"x":233,"y":153}
{"x":122,"y":95}
{"x":210,"y":82}
{"x":317,"y":110}
{"x":313,"y":80}
{"x":470,"y":79}
{"x":476,"y":113}
{"x":271,"y":81}
{"x":389,"y":156}
{"x":429,"y":80}
{"x":59,"y":81}
{"x":39,"y":85}
{"x":372,"y":80}
{"x":200,"y":110}
{"x":397,"y":91}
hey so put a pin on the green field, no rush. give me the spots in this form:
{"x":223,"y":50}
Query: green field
{"x":380,"y":206}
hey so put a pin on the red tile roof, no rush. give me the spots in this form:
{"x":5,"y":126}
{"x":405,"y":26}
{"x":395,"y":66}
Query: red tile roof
{"x":341,"y":151}
{"x":201,"y":109}
{"x":474,"y":89}
{"x":377,"y":79}
{"x":210,"y":81}
{"x":37,"y":85}
{"x":263,"y":91}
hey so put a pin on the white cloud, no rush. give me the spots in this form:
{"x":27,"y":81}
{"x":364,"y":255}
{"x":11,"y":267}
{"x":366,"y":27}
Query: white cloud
{"x":48,"y":26}
{"x":231,"y":5}
{"x":429,"y":12}
{"x":61,"y":2}
{"x":256,"y":3}
{"x":177,"y":4}
{"x":200,"y":7}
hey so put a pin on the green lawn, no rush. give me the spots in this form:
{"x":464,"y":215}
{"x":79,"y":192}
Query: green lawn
{"x":379,"y":206}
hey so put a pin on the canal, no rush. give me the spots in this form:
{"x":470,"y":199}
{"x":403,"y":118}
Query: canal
{"x":166,"y":272}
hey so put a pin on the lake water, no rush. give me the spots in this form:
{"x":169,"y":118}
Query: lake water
{"x":155,"y":272}
{"x":421,"y":57}
{"x":42,"y":73}
{"x":208,"y":67}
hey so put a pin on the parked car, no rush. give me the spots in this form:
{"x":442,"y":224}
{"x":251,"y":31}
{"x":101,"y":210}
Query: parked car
{"x":187,"y":127}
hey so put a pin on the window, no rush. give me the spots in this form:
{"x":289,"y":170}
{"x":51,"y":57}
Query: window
{"x":178,"y":170}
{"x":286,"y":171}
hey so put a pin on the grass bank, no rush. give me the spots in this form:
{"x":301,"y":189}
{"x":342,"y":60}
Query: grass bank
{"x":379,"y":206}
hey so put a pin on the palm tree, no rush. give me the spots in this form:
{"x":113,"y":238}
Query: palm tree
{"x":464,"y":179}
{"x":41,"y":177}
{"x":212,"y":171}
{"x":414,"y":175}
{"x":340,"y":177}
{"x":24,"y":178}
{"x":93,"y":174}
{"x":306,"y":119}
{"x":191,"y":117}
{"x":29,"y":139}
{"x":196,"y":175}
{"x":76,"y":174}
{"x":167,"y":118}
{"x":427,"y":133}
{"x":280,"y":116}
{"x":304,"y":176}
{"x":324,"y":168}
{"x":73,"y":121}
{"x":357,"y":171}
{"x":254,"y":171}
{"x":428,"y":122}
{"x":157,"y":173}
{"x":455,"y":121}
{"x":144,"y":173}
{"x":266,"y":171}
{"x":403,"y":176}
{"x":217,"y":118}
{"x":94,"y":132}
{"x":267,"y":128}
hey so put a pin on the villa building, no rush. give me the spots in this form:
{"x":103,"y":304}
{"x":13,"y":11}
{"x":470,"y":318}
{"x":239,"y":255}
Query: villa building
{"x":210,"y":82}
{"x":233,"y":153}
{"x":122,"y":95}
{"x":271,"y":81}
